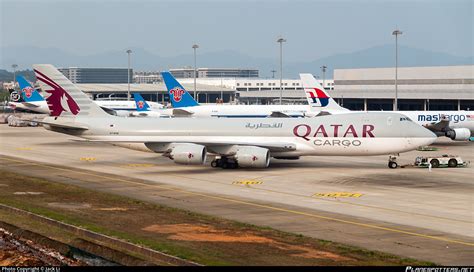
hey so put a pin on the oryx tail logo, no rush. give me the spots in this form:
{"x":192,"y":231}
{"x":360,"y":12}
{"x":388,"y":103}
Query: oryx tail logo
{"x":177,"y":93}
{"x":57,"y":98}
{"x":318,"y":97}
{"x":28,"y":91}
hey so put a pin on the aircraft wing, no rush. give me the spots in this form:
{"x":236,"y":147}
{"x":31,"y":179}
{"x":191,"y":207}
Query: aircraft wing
{"x":181,"y":112}
{"x":279,"y":114}
{"x":323,"y":113}
{"x":442,"y":125}
{"x":274,"y":147}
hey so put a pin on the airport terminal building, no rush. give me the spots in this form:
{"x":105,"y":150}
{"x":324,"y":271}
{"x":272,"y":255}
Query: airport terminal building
{"x":419,"y":88}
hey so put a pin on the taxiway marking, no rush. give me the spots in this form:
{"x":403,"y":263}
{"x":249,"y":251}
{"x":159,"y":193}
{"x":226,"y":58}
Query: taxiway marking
{"x":248,"y":203}
{"x":338,"y":194}
{"x":88,"y":159}
{"x":247,"y":182}
{"x":332,"y":200}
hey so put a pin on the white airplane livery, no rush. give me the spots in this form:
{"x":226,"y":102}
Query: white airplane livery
{"x":457,"y":125}
{"x":234,"y":142}
{"x":31,"y":100}
{"x":184,"y":104}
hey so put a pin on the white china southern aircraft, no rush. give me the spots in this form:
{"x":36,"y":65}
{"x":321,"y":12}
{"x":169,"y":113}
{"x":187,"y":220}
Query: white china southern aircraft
{"x":457,"y":125}
{"x":234,"y":142}
{"x":185,"y":105}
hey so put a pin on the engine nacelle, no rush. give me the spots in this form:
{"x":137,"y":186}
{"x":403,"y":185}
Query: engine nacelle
{"x":252,"y":156}
{"x":187,"y":153}
{"x":459,"y":134}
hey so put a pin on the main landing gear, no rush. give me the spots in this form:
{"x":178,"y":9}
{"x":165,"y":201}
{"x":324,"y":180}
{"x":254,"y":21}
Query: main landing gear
{"x":392,"y":162}
{"x":224,"y":163}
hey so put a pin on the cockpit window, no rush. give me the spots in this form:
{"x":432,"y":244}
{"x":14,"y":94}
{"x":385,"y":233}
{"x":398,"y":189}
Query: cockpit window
{"x":405,"y":119}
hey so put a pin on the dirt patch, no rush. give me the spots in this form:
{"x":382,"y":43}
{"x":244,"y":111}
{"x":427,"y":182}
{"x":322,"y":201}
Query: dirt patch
{"x":205,"y":233}
{"x":15,"y":258}
{"x":69,"y":206}
{"x":112,"y":209}
{"x":307,"y":252}
{"x":3,"y":185}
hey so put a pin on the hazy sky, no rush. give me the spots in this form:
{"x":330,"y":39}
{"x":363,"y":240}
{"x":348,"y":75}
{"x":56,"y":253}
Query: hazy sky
{"x":313,"y":29}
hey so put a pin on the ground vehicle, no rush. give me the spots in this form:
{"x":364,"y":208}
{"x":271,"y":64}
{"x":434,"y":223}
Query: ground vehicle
{"x":440,"y":161}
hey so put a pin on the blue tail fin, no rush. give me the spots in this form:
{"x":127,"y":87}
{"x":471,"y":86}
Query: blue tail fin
{"x":28,"y":93}
{"x":141,"y":104}
{"x":178,"y":95}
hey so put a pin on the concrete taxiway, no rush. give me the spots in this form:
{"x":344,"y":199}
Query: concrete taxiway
{"x":355,"y":200}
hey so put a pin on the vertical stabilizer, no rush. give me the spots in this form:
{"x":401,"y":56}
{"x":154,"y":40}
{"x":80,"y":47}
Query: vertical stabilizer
{"x":140,"y":103}
{"x":62,"y":96}
{"x":179,"y":97}
{"x":28,"y":93}
{"x":317,"y":97}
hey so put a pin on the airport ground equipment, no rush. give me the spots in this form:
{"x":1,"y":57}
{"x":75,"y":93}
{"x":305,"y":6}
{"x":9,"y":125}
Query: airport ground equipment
{"x":440,"y":161}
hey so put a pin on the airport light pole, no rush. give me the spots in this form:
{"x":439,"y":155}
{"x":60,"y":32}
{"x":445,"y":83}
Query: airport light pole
{"x":195,"y":46}
{"x":273,"y":73}
{"x":222,"y":88}
{"x":396,"y":33}
{"x":323,"y":68}
{"x":281,"y":41}
{"x":14,"y":66}
{"x":128,"y":73}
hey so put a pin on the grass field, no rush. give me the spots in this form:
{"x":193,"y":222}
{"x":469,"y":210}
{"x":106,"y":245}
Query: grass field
{"x":204,"y":239}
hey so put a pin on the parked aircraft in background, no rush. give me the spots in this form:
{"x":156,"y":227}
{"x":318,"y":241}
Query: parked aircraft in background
{"x":31,"y":100}
{"x":457,"y":125}
{"x":234,"y":142}
{"x":184,"y":104}
{"x":143,"y":109}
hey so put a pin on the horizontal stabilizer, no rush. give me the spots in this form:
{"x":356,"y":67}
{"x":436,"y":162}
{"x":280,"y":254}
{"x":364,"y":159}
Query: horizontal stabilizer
{"x":68,"y":125}
{"x":30,"y":104}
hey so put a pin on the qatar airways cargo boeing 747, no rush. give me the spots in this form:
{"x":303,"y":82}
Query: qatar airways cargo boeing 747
{"x":234,"y":142}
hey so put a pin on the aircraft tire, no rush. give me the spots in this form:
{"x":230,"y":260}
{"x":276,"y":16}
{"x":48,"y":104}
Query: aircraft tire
{"x":392,"y":165}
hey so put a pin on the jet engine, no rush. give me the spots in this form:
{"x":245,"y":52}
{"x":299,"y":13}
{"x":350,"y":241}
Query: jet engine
{"x":187,"y":153}
{"x":459,"y":134}
{"x":252,"y":156}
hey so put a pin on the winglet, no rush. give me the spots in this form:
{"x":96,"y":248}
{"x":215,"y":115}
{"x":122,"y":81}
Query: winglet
{"x":28,"y":93}
{"x":179,"y":97}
